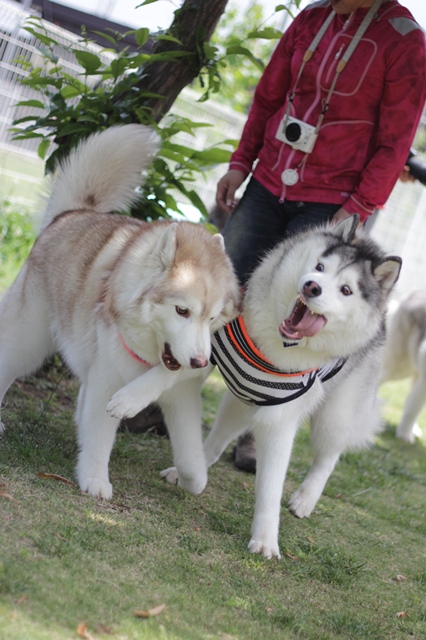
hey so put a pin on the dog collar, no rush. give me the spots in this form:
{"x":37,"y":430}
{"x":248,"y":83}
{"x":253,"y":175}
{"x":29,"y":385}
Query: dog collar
{"x":132,"y":353}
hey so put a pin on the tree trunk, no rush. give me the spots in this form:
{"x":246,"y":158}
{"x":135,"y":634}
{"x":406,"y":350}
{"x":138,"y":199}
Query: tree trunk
{"x":193,"y":25}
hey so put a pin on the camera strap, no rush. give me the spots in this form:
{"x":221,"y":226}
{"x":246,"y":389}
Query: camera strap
{"x":368,"y":18}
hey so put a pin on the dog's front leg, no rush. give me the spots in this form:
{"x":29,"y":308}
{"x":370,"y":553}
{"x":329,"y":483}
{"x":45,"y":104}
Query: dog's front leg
{"x":274,"y":441}
{"x":182,"y":412}
{"x":96,"y":435}
{"x":142,"y":391}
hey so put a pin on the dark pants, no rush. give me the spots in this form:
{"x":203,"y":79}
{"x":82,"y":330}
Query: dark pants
{"x":260,"y":221}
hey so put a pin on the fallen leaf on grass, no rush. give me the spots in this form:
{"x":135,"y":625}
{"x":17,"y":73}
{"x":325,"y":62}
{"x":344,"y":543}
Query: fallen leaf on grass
{"x":103,"y":629}
{"x":22,"y":599}
{"x":309,"y":539}
{"x":3,"y":494}
{"x":291,"y":557}
{"x":401,"y":578}
{"x":149,"y":613}
{"x":83,"y":633}
{"x":402,"y":614}
{"x":54,"y":476}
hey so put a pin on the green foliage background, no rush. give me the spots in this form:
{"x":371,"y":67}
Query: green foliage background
{"x":68,"y":108}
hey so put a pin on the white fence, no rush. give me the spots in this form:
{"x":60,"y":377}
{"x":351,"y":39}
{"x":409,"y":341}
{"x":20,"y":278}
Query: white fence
{"x":400,"y":227}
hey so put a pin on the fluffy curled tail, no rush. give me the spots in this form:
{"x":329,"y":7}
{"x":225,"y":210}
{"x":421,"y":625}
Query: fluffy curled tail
{"x":103,"y":171}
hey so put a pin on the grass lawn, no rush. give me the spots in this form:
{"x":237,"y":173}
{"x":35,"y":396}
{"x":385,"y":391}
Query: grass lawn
{"x":73,"y":566}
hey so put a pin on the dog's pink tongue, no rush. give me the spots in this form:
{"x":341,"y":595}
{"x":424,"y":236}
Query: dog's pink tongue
{"x":301,"y":323}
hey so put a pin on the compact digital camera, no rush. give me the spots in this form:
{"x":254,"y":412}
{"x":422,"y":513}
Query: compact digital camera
{"x":297,"y":134}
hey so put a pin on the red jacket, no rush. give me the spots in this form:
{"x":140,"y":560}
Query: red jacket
{"x":365,"y":137}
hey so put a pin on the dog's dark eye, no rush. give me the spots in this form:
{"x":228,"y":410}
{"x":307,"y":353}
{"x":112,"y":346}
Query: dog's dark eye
{"x":319,"y":267}
{"x":347,"y":291}
{"x":181,"y":311}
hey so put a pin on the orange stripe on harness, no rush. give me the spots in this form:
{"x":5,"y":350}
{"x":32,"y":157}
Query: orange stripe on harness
{"x":253,"y":347}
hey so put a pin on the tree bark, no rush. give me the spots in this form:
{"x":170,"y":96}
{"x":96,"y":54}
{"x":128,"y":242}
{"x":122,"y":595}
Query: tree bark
{"x":193,"y":25}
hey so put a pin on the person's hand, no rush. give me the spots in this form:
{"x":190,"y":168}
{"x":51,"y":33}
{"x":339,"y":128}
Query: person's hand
{"x":226,"y":188}
{"x":340,"y":214}
{"x":406,"y":175}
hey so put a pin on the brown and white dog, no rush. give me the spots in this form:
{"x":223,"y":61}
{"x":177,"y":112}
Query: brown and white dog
{"x":124,"y":302}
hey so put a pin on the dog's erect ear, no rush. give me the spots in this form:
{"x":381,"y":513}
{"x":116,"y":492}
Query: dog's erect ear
{"x":218,"y":237}
{"x":166,"y":247}
{"x":347,"y":227}
{"x":387,"y":272}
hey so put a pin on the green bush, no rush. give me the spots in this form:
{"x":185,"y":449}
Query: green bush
{"x":17,"y":235}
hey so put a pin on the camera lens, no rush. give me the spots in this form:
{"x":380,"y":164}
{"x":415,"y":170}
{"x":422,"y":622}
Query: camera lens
{"x":293,"y":131}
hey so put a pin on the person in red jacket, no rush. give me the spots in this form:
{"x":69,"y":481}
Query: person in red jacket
{"x":330,"y":128}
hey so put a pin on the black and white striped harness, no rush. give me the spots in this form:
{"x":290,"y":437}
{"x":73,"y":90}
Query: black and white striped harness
{"x":255,"y":380}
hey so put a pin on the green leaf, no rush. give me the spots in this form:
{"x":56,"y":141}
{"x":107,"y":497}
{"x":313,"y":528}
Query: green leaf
{"x":268,"y":33}
{"x":212,"y":156}
{"x":49,"y":54}
{"x":169,"y":38}
{"x":30,"y":103}
{"x":118,"y":67}
{"x":144,"y":3}
{"x":283,"y":7}
{"x":142,"y":36}
{"x":42,"y":148}
{"x":69,"y":129}
{"x":238,"y":49}
{"x":68,"y":92}
{"x":188,"y":152}
{"x":106,"y":36}
{"x":44,"y":38}
{"x":210,"y":50}
{"x":25,"y":119}
{"x":74,"y":82}
{"x":42,"y":82}
{"x":89,"y":61}
{"x":169,"y":55}
{"x":27,"y":135}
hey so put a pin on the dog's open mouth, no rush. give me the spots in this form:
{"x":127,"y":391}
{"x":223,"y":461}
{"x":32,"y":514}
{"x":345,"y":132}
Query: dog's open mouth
{"x":301,"y":323}
{"x":168,"y":358}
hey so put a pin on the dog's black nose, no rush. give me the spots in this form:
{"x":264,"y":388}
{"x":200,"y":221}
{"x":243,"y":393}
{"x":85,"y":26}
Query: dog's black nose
{"x":198,"y":363}
{"x":311,"y":289}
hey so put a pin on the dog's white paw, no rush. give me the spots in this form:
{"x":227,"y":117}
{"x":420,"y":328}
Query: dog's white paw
{"x":170,"y":475}
{"x":124,"y":405}
{"x":302,"y":503}
{"x":96,"y":487}
{"x":194,"y":484}
{"x":417,"y":432}
{"x":266,"y":548}
{"x":409,"y":435}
